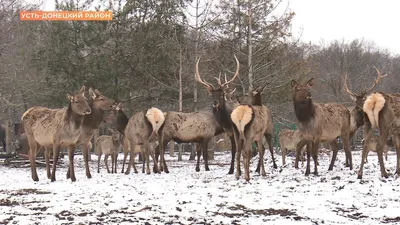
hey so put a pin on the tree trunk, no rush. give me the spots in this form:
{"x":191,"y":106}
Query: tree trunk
{"x":8,"y":137}
{"x":250,"y":47}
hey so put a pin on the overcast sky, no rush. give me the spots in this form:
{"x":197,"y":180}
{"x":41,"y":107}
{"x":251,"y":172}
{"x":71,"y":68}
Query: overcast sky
{"x":329,"y":20}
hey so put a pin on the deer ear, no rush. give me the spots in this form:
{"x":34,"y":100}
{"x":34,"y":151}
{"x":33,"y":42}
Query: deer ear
{"x":83,"y":88}
{"x":310,"y":82}
{"x":92,"y":94}
{"x":70,"y":97}
{"x":293,"y":83}
{"x":97,"y":92}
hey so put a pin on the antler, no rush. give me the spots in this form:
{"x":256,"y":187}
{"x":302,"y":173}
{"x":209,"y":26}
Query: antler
{"x":209,"y":86}
{"x":346,"y":88}
{"x":234,"y":76}
{"x":380,"y":76}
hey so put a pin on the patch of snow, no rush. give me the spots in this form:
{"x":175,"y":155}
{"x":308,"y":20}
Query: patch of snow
{"x":284,"y":196}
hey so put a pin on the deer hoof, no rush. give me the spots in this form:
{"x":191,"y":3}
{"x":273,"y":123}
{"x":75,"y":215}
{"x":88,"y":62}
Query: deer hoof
{"x":197,"y":169}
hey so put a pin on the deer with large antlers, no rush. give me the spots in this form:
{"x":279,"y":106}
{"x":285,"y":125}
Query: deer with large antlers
{"x":357,"y":114}
{"x":222,"y":108}
{"x":320,"y":122}
{"x":382,"y":112}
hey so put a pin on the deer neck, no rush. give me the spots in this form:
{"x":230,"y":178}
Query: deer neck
{"x":73,"y":118}
{"x":121,"y":121}
{"x":305,"y":111}
{"x":93,"y":120}
{"x":223,"y":115}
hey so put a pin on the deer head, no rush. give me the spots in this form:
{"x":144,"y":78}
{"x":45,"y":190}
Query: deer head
{"x":301,"y":92}
{"x":360,"y":98}
{"x":252,"y":97}
{"x":100,"y":101}
{"x":78,"y":102}
{"x":218,"y":94}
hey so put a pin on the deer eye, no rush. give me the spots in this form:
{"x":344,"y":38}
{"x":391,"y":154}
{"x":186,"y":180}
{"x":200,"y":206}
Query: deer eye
{"x":76,"y":101}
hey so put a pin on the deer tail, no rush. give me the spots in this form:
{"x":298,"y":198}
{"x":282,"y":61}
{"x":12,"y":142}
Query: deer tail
{"x":372,"y":106}
{"x":241,"y":116}
{"x":156,"y":117}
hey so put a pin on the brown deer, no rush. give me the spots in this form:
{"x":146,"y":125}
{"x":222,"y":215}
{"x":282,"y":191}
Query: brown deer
{"x":371,"y":147}
{"x":100,"y":106}
{"x":382,"y":112}
{"x":251,"y":124}
{"x":120,"y":120}
{"x":109,"y":145}
{"x":142,"y":129}
{"x":198,"y":127}
{"x":55,"y":127}
{"x":357,"y":113}
{"x":253,"y":97}
{"x":222,"y":108}
{"x":289,"y":139}
{"x":320,"y":122}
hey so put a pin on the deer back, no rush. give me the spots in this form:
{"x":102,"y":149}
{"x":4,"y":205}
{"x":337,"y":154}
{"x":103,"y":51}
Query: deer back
{"x":188,"y":127}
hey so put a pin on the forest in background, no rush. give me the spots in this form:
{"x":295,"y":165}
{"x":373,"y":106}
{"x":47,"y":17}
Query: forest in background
{"x":146,"y":56}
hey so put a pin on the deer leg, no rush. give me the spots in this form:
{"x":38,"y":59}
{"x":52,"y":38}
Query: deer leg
{"x":47,"y":158}
{"x":367,"y":139}
{"x":115,"y":162}
{"x":261,"y":153}
{"x":198,"y":151}
{"x":126,"y":151}
{"x":299,"y":146}
{"x":71,"y":153}
{"x":379,"y":149}
{"x":155,"y":166}
{"x":315,"y":156}
{"x":98,"y":163}
{"x":112,"y":162}
{"x":246,"y":159}
{"x":124,"y":161}
{"x":396,"y":142}
{"x":106,"y":162}
{"x":347,"y":150}
{"x":335,"y":151}
{"x":205,"y":154}
{"x":163,"y":144}
{"x":163,"y":158}
{"x":85,"y":152}
{"x":238,"y":147}
{"x":259,"y":159}
{"x":268,"y":137}
{"x":32,"y":157}
{"x":132,"y":146}
{"x":56,"y":154}
{"x":233,"y":151}
{"x":302,"y":156}
{"x":283,"y":152}
{"x":309,"y":149}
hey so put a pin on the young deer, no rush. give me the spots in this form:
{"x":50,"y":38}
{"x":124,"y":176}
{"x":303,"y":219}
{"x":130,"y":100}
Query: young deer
{"x":109,"y":145}
{"x":289,"y":139}
{"x":320,"y":122}
{"x":55,"y":127}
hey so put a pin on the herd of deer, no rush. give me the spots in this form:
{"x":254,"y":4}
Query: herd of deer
{"x":245,"y":120}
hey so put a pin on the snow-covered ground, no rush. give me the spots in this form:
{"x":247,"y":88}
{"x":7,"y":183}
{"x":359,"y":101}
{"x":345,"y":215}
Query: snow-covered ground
{"x":184,"y":196}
